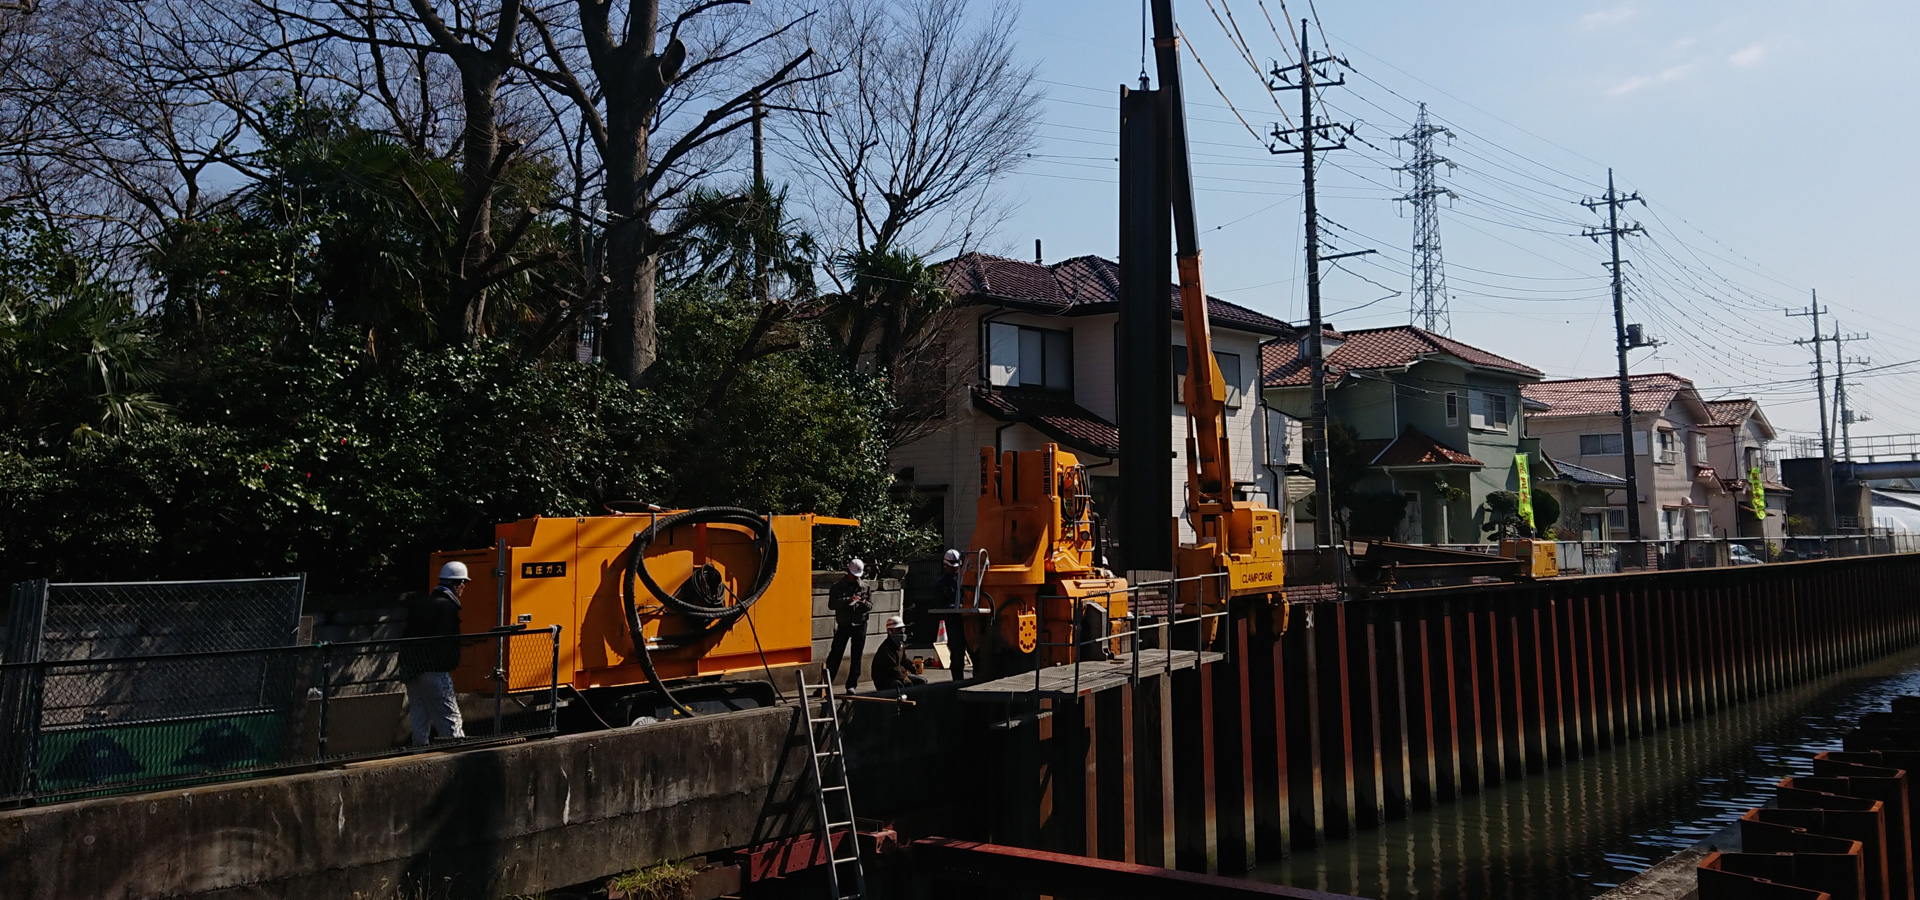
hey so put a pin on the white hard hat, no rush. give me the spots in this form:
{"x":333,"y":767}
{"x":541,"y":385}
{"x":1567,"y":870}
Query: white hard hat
{"x":895,"y":622}
{"x":453,"y":571}
{"x":855,"y":567}
{"x":953,"y":557}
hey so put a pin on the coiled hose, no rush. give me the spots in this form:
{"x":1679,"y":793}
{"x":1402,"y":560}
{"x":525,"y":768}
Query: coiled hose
{"x":703,"y":596}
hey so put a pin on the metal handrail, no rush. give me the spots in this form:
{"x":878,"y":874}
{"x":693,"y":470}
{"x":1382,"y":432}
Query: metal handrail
{"x":1134,"y":633}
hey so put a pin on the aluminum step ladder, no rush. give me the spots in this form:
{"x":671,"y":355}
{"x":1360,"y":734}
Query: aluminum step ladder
{"x":833,"y":799}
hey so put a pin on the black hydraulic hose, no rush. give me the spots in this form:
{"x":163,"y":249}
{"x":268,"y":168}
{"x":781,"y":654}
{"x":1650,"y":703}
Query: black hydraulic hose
{"x":713,"y":609}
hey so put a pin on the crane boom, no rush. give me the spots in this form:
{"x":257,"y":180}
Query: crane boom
{"x":1210,"y":485}
{"x":1239,"y":539}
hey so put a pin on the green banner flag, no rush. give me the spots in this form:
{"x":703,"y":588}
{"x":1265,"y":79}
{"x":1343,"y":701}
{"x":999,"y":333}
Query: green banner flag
{"x":1526,"y":489}
{"x":1759,"y":491}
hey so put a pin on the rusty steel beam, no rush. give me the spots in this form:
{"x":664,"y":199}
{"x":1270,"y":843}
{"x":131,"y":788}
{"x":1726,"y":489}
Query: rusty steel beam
{"x":1395,"y":762}
{"x":1486,"y":629}
{"x":1115,"y":832}
{"x":948,"y":868}
{"x":1447,"y":723}
{"x":1473,"y":750}
{"x":1423,"y":751}
{"x":1153,"y":771}
{"x":1363,"y":670}
{"x":1305,"y":778}
{"x":1267,"y":707}
{"x":1196,"y":829}
{"x":1530,"y":680}
{"x":1233,"y":754}
{"x":1336,"y":706}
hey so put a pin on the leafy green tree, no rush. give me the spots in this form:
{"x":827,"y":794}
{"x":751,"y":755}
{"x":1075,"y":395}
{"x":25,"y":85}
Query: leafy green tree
{"x":76,"y":360}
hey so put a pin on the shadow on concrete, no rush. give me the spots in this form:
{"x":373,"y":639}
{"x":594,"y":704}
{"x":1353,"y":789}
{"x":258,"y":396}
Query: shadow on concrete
{"x":463,"y":824}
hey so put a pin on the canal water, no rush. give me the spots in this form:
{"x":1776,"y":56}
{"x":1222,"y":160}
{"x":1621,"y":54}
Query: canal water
{"x":1580,"y":829}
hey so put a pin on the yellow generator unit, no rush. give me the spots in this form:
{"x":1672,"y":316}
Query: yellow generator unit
{"x":648,"y":597}
{"x":1041,"y":588}
{"x":1540,"y":559}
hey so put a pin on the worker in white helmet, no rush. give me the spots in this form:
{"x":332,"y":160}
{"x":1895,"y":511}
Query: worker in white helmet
{"x":890,"y":668}
{"x":850,"y":602}
{"x":426,"y":663}
{"x":946,"y":596}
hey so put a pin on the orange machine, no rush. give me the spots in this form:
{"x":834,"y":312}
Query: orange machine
{"x":1237,"y":539}
{"x":1035,"y":527}
{"x":701,"y":573}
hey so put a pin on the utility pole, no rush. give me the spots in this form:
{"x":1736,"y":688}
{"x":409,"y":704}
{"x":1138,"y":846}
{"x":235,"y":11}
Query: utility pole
{"x":1844,"y":408}
{"x":1832,"y":517}
{"x":1429,"y":309}
{"x":1316,"y":351}
{"x":1613,"y":201}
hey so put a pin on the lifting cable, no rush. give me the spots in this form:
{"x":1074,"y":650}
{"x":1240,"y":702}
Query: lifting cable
{"x":703,"y":597}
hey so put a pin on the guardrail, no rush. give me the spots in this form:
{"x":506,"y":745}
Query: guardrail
{"x":1610,"y":557}
{"x":1158,"y":631}
{"x":78,"y":728}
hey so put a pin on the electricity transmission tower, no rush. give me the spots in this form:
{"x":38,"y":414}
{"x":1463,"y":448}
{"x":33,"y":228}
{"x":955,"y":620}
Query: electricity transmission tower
{"x":1429,"y":308}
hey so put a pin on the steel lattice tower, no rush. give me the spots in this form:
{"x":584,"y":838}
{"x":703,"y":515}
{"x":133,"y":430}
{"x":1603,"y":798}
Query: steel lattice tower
{"x":1429,"y":306}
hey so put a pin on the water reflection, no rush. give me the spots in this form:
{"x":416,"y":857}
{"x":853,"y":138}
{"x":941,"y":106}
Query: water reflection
{"x":1580,"y":829}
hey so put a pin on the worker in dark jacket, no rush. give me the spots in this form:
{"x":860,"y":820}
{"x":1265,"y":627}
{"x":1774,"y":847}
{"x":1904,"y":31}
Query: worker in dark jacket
{"x":850,"y":602}
{"x":430,"y":700}
{"x":890,"y":669}
{"x":946,"y":595}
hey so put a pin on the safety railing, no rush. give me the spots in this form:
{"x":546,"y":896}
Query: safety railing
{"x":1611,"y":557}
{"x":1159,"y":604}
{"x":77,"y":728}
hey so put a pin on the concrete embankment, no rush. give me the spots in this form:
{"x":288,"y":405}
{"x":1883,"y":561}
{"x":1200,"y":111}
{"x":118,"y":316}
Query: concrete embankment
{"x":499,"y":821}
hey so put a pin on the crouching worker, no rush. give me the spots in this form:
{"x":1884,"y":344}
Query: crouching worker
{"x":890,"y":668}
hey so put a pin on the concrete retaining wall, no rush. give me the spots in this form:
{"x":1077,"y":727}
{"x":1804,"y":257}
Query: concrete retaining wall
{"x":518,"y":819}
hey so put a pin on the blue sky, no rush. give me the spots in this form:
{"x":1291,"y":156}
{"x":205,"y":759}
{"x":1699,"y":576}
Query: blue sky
{"x":1773,"y":143}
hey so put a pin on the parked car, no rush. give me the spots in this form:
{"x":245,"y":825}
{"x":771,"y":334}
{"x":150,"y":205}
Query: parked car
{"x":1741,"y":556}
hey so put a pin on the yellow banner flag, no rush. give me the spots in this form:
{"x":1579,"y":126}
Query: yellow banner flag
{"x":1526,"y":489}
{"x":1758,"y":489}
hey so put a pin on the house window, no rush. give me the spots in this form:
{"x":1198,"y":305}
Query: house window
{"x":1667,"y":450}
{"x":1702,"y":523}
{"x":1699,"y":440}
{"x":1018,"y":356}
{"x":1489,"y":411}
{"x":1229,"y":372}
{"x":1617,"y":521}
{"x":1673,"y":525}
{"x":1752,"y":460}
{"x":1453,"y":409}
{"x":1601,"y":444}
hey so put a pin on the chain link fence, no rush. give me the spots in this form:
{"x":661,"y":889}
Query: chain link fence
{"x":85,"y":727}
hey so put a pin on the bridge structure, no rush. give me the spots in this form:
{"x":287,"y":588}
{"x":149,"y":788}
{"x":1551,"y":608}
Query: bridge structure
{"x":1362,"y":712}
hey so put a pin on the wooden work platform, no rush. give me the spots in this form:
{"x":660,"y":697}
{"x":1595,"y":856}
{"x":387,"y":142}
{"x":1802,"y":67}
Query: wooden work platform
{"x":1058,"y":681}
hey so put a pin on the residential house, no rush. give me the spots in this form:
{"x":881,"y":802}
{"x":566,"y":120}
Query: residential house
{"x":1578,"y":421}
{"x":1438,"y":420}
{"x":1737,"y":450}
{"x":1035,"y":363}
{"x":1584,"y":495}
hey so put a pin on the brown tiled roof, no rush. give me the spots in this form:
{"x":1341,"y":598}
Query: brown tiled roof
{"x":1414,"y":448}
{"x":1284,"y":365}
{"x":1601,"y":396}
{"x":1083,"y":285}
{"x":1053,"y":415}
{"x":1728,"y":412}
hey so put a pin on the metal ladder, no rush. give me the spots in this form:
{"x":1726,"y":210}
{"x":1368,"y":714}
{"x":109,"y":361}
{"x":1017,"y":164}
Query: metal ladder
{"x":834,"y":817}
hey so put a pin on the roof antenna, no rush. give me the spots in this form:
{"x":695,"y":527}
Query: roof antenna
{"x":1036,"y":253}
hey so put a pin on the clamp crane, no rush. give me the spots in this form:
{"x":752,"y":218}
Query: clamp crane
{"x":1238,"y":539}
{"x":1038,"y":595}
